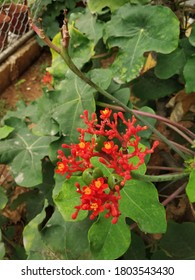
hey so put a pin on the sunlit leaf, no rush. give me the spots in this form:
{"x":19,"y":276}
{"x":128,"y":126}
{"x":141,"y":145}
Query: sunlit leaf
{"x":5,"y":131}
{"x":68,"y":198}
{"x":81,"y":49}
{"x":190,"y":188}
{"x":3,"y":198}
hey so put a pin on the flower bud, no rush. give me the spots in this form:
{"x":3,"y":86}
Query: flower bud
{"x":113,"y":180}
{"x":90,"y":174}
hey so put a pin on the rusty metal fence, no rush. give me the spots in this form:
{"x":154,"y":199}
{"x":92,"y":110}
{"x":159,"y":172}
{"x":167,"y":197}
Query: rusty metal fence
{"x":13,"y":21}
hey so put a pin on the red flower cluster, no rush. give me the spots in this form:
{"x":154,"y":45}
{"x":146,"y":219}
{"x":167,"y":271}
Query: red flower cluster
{"x":47,"y":78}
{"x":98,"y":196}
{"x":95,"y":198}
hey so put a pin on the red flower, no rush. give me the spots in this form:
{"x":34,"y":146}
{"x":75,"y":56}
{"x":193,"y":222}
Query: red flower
{"x":47,"y":78}
{"x":105,"y":114}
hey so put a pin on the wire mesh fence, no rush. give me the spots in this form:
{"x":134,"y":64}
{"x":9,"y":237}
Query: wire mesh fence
{"x":13,"y":21}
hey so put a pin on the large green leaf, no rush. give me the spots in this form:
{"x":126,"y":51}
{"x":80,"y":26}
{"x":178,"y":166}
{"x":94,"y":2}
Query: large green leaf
{"x":64,"y":107}
{"x":170,"y":64}
{"x":189,"y":75}
{"x":109,"y":241}
{"x":67,"y":239}
{"x":88,"y":24}
{"x":97,"y":6}
{"x":190,"y":188}
{"x":68,"y":198}
{"x":178,"y":243}
{"x":140,"y":203}
{"x":57,"y":240}
{"x":102,"y":77}
{"x":24,"y":152}
{"x":136,"y":30}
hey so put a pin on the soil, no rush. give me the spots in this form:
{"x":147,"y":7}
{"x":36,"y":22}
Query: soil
{"x":29,"y":85}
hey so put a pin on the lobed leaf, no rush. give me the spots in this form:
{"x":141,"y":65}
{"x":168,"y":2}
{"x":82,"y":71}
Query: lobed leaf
{"x":24,"y":152}
{"x":139,"y":201}
{"x":136,"y":30}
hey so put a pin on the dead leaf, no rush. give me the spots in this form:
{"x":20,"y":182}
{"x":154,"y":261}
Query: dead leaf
{"x":150,"y":62}
{"x":181,"y":103}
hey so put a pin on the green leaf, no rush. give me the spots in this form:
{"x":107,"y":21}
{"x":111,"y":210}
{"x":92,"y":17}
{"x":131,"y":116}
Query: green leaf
{"x":136,"y":30}
{"x":24,"y":152}
{"x":139,"y":201}
{"x":46,"y":127}
{"x":3,"y":198}
{"x":67,"y":239}
{"x":170,"y":64}
{"x":190,"y":188}
{"x":189,"y":75}
{"x":123,"y":95}
{"x":68,"y":198}
{"x":147,"y":133}
{"x":136,"y":250}
{"x":5,"y":131}
{"x":178,"y":243}
{"x":109,"y":241}
{"x":81,"y":49}
{"x":149,"y":87}
{"x":106,"y":171}
{"x":2,"y":249}
{"x":102,"y":77}
{"x":192,"y":35}
{"x":97,"y":6}
{"x":88,"y":24}
{"x":64,"y":107}
{"x":33,"y":243}
{"x":58,"y":240}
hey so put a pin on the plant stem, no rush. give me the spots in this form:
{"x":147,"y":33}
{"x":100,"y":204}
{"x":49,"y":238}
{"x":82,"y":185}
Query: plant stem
{"x":64,"y":54}
{"x":157,"y":117}
{"x":174,"y":194}
{"x":158,"y":178}
{"x":73,"y":67}
{"x":164,"y":168}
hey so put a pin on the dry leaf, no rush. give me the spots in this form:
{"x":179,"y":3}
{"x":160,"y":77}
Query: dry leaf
{"x":181,"y":103}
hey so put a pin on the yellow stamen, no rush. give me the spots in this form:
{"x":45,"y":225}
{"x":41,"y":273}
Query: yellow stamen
{"x":60,"y":166}
{"x":87,"y":191}
{"x":98,"y":184}
{"x":105,"y":112}
{"x":82,"y":145}
{"x":94,"y":206}
{"x":107,"y":146}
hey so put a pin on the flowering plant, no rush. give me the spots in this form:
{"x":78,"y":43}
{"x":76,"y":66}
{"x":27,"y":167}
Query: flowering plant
{"x":106,"y":202}
{"x":103,"y":192}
